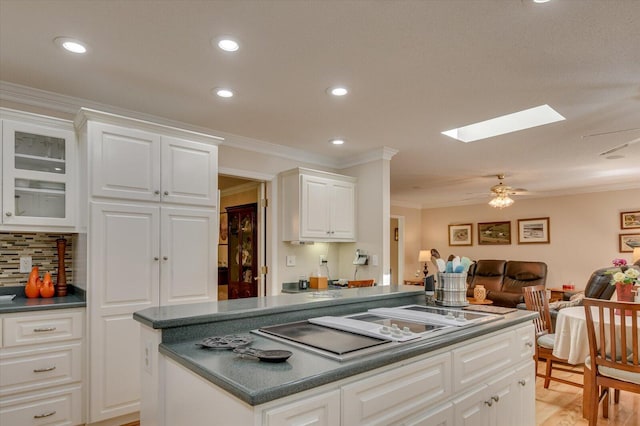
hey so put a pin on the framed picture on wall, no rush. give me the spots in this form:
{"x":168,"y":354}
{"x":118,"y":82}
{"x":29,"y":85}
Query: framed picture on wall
{"x":634,"y":239}
{"x":224,"y":229}
{"x":461,"y":235}
{"x":630,"y":220}
{"x":494,"y":233}
{"x":534,"y":231}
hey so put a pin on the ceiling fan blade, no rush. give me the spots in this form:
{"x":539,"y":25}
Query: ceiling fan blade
{"x":610,"y":133}
{"x":619,"y":147}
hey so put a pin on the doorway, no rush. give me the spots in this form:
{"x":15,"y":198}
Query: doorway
{"x":242,"y":237}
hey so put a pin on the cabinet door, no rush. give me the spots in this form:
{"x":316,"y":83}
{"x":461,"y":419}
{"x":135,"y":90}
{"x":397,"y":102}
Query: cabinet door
{"x":125,"y":163}
{"x":187,"y":255}
{"x":472,"y":409}
{"x":189,"y":172}
{"x":315,"y":207}
{"x":124,"y":276}
{"x":503,"y":393}
{"x":525,"y":410}
{"x":38,"y":174}
{"x":321,"y":410}
{"x":343,"y":213}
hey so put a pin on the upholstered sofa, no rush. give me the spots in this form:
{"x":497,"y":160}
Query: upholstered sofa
{"x":504,"y":279}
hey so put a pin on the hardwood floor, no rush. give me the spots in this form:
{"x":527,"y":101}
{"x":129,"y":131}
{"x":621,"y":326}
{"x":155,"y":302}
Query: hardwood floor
{"x":561,"y":405}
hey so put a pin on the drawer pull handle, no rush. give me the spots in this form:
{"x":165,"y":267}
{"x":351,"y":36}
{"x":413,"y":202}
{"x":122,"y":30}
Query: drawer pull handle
{"x":489,"y":403}
{"x":44,"y":330}
{"x":43,"y":370}
{"x":496,"y":398}
{"x":522,"y":382}
{"x":529,"y":344}
{"x":40,"y":416}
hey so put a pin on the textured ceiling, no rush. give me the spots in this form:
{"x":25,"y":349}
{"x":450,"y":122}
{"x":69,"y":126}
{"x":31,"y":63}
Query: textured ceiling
{"x":414,"y":69}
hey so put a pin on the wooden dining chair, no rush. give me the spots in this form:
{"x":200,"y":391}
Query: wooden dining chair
{"x":614,"y":357}
{"x":360,"y":283}
{"x":535,"y":298}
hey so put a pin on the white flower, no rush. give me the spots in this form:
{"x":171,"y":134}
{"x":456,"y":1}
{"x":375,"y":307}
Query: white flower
{"x":619,"y":277}
{"x":632,"y":273}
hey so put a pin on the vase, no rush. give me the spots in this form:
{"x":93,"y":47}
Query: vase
{"x":624,"y":294}
{"x":479,"y":293}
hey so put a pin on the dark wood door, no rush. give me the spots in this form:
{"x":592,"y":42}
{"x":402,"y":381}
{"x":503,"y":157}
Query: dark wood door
{"x":243,"y":251}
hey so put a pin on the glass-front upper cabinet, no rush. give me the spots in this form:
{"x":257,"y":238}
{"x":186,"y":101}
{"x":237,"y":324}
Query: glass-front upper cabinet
{"x":37,"y":172}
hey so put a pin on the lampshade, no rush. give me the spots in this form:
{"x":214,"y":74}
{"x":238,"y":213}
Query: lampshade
{"x":501,"y":201}
{"x":636,"y":254}
{"x":425,"y":256}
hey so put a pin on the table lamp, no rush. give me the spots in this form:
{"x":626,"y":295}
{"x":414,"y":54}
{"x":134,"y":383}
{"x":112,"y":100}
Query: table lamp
{"x":636,"y":254}
{"x":425,"y":256}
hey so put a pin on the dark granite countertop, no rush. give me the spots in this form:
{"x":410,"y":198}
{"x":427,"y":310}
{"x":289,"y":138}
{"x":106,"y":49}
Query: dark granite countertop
{"x":256,"y":382}
{"x":75,"y":298}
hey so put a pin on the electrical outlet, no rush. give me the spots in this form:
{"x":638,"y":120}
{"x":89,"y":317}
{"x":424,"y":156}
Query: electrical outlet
{"x":291,"y":261}
{"x":323,"y":259}
{"x":26,"y":264}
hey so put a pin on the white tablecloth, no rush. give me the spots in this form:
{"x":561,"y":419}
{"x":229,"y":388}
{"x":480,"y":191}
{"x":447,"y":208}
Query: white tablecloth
{"x":571,"y":341}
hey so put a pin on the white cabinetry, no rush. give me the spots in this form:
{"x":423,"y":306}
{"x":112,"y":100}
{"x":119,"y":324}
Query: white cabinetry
{"x":151,"y":241}
{"x":427,"y":390}
{"x":41,"y":367}
{"x":135,"y":164}
{"x":38,"y":158}
{"x":318,"y":206}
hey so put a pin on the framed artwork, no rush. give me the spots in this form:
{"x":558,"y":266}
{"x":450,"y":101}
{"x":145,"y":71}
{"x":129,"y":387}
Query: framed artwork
{"x":630,"y":220}
{"x":224,"y":229}
{"x":494,"y":233}
{"x":534,"y":231}
{"x":634,"y":239}
{"x":461,"y":235}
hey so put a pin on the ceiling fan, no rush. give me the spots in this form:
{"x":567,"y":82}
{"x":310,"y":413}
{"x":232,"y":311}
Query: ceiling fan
{"x":619,"y":147}
{"x":501,"y":193}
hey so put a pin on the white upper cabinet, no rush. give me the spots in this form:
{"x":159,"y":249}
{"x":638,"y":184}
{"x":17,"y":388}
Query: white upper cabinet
{"x":318,"y":206}
{"x":38,"y":171}
{"x":140,"y":165}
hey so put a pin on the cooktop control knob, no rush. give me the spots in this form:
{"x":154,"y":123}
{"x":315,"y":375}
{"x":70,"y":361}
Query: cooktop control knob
{"x":406,"y":331}
{"x":461,"y":317}
{"x":450,"y":315}
{"x":385,"y":330}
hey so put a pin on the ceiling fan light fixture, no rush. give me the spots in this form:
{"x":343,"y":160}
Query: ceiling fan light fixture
{"x":501,"y":201}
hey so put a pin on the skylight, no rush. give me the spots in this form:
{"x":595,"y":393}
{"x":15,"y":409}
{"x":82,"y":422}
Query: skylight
{"x":513,"y":122}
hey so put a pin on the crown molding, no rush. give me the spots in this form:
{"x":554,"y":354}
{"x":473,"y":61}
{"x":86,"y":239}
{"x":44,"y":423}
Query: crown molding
{"x":383,"y":153}
{"x":406,"y":204}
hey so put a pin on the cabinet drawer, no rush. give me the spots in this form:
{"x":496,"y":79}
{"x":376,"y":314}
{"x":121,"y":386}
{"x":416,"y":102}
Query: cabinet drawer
{"x":483,"y":359}
{"x":397,"y":393}
{"x":45,"y":327}
{"x":57,"y":407}
{"x":320,"y":410}
{"x":34,"y":369}
{"x":526,"y":340}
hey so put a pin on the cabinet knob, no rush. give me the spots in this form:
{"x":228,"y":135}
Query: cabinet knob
{"x":156,"y":192}
{"x":8,"y":214}
{"x":522,"y":382}
{"x":165,"y":258}
{"x":156,"y":258}
{"x":166,"y":192}
{"x":489,"y":403}
{"x":496,"y":398}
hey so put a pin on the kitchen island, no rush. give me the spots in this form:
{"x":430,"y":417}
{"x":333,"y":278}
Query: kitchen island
{"x":458,"y":375}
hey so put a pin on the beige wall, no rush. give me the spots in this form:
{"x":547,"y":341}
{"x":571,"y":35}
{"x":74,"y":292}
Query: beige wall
{"x":412,"y":238}
{"x":584,"y":234}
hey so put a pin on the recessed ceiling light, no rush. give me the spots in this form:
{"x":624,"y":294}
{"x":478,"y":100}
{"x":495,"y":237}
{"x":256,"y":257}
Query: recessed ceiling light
{"x":509,"y":123}
{"x":541,"y":1}
{"x":223,"y":93}
{"x":338,"y":90}
{"x":227,"y":44}
{"x":71,"y":45}
{"x":337,"y":141}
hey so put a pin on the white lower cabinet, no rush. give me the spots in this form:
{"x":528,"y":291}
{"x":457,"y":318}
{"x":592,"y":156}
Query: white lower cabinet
{"x":140,"y":256}
{"x":41,"y":368}
{"x":321,"y":410}
{"x":427,"y":391}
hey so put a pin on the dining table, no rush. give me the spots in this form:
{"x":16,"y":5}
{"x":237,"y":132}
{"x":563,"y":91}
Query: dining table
{"x":572,"y":343}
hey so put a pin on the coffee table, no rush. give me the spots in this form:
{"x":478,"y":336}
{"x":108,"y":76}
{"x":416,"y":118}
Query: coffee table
{"x":473,"y":301}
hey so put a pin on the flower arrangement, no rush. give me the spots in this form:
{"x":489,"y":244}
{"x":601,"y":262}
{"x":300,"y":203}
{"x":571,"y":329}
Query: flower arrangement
{"x":630,"y":276}
{"x":619,"y":262}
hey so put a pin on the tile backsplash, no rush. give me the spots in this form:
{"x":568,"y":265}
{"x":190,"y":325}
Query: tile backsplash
{"x":43,"y":250}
